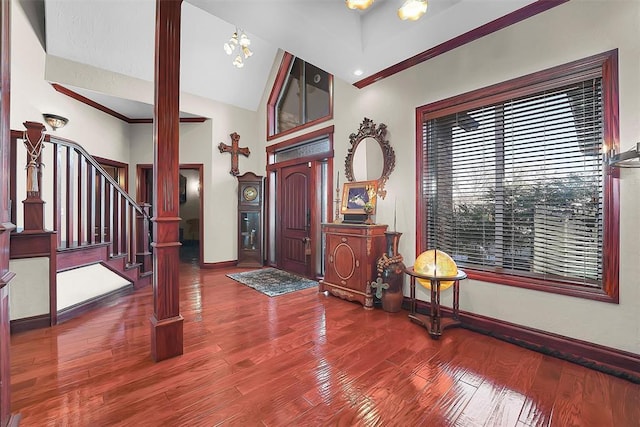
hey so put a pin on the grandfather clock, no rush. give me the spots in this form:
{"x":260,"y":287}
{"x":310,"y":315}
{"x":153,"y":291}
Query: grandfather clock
{"x":250,"y":220}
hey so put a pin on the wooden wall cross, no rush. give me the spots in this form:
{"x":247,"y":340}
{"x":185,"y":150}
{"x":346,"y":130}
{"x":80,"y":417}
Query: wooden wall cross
{"x":234,"y":149}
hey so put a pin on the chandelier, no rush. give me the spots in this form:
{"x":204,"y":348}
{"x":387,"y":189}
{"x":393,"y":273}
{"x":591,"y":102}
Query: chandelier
{"x":238,"y":44}
{"x":410,"y":10}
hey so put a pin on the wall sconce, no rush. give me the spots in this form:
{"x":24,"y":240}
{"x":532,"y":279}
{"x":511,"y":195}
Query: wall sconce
{"x":56,"y":122}
{"x":628,"y":159}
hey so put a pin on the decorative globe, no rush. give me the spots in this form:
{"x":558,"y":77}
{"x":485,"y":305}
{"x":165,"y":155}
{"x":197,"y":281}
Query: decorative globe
{"x":435,"y":263}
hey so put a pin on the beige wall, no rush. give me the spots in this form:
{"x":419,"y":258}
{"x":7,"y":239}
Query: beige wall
{"x":574,"y":30}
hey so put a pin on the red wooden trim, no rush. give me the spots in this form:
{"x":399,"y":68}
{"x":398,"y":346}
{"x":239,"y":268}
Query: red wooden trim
{"x":281,"y":76}
{"x":91,"y":205}
{"x":611,"y":244}
{"x":53,"y":278}
{"x":31,"y":244}
{"x":166,"y":321}
{"x":607,"y":359}
{"x":57,"y":191}
{"x":70,"y":171}
{"x":592,"y":355}
{"x":63,"y":90}
{"x":13,"y":173}
{"x":91,"y":103}
{"x":118,"y":165}
{"x":82,"y":200}
{"x":326,"y":131}
{"x":70,"y":259}
{"x":30,"y":323}
{"x":6,"y":418}
{"x":479,"y":32}
{"x":604,"y":64}
{"x":200,"y":168}
{"x":193,"y":119}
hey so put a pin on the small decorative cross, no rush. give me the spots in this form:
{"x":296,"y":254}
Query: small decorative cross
{"x":379,"y":287}
{"x":234,"y":149}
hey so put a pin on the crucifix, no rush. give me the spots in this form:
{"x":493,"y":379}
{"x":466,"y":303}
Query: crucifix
{"x":234,"y":149}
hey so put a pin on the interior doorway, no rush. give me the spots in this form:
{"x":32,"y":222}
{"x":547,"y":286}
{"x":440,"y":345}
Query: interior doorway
{"x":191,"y":207}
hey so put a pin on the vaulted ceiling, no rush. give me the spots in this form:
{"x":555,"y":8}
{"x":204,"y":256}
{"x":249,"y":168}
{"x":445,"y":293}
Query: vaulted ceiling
{"x":118,"y":35}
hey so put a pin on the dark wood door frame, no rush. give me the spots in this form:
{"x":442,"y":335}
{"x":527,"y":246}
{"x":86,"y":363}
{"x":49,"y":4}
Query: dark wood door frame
{"x":141,"y":196}
{"x":316,"y":160}
{"x":123,"y":171}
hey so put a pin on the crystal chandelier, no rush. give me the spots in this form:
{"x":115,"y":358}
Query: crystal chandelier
{"x":240,"y":41}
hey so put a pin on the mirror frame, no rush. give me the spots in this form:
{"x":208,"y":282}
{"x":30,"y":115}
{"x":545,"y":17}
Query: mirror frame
{"x":368,"y":129}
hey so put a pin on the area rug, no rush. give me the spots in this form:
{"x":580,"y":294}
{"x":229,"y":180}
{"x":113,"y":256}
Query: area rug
{"x":273,"y":282}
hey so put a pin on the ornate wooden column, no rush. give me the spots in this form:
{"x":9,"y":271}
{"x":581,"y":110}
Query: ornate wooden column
{"x":166,"y":322}
{"x":6,"y":419}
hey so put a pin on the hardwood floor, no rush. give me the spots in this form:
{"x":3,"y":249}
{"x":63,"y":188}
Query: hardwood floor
{"x":298,"y":359}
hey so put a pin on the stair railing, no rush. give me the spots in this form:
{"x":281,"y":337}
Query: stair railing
{"x":89,"y":206}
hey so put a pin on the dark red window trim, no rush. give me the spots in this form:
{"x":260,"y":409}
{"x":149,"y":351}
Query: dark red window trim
{"x":603,"y":65}
{"x":278,"y":84}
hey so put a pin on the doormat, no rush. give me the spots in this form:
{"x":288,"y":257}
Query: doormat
{"x":273,"y":282}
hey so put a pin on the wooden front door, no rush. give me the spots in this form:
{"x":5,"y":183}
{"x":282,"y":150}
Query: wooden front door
{"x":294,"y":219}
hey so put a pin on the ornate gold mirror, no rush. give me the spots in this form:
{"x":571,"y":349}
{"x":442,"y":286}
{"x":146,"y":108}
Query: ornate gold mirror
{"x":370,"y":156}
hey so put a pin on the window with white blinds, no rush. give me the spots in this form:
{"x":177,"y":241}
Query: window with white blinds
{"x":516,"y":187}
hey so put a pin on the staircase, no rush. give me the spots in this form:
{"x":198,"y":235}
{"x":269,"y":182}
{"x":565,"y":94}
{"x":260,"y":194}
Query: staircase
{"x":95,"y":245}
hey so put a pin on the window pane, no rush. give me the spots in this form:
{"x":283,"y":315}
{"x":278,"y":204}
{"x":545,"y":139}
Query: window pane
{"x":289,"y":108}
{"x":517,"y":187}
{"x":317,"y":86}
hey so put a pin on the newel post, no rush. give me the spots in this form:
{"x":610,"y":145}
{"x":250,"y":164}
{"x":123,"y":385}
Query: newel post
{"x":33,"y":204}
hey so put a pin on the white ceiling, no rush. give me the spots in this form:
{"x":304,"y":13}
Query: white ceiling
{"x":118,"y":35}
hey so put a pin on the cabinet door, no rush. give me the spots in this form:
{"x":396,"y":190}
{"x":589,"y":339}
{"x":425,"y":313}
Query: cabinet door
{"x":344,"y":261}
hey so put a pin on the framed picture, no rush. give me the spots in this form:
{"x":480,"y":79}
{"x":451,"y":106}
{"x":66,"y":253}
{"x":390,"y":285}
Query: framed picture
{"x":357,"y":194}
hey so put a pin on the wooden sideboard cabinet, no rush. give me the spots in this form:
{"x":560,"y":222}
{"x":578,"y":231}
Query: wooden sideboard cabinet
{"x":351,"y":252}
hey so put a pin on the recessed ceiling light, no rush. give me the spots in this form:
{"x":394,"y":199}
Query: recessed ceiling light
{"x":358,"y":72}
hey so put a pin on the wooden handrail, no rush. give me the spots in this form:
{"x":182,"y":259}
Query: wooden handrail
{"x":97,"y":210}
{"x":68,"y":143}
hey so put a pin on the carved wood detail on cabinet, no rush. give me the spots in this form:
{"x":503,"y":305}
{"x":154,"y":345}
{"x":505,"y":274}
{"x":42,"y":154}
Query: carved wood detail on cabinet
{"x":351,"y":251}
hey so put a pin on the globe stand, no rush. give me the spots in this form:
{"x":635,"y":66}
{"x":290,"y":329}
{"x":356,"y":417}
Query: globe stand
{"x":434,"y":323}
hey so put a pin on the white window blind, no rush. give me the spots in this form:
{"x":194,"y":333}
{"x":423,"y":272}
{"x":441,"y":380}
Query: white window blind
{"x":516,"y":187}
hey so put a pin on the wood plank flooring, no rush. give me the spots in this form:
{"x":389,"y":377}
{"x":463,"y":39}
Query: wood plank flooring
{"x":301,"y":359}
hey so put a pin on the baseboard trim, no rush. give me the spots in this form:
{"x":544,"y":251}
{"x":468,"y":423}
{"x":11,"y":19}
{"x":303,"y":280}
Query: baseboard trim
{"x":30,"y":323}
{"x":90,"y":304}
{"x":217,"y":265}
{"x":609,"y":360}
